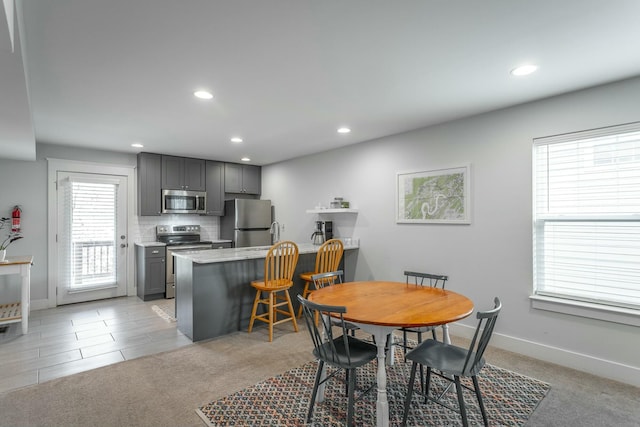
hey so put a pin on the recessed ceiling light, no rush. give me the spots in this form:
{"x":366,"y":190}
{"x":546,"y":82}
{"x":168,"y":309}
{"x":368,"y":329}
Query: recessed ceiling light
{"x":344,"y":130}
{"x":245,"y":159}
{"x":236,"y":139}
{"x":137,"y":145}
{"x":524,"y":70}
{"x":203,"y":94}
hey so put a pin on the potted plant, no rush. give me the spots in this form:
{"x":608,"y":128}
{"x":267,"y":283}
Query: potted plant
{"x":11,"y":237}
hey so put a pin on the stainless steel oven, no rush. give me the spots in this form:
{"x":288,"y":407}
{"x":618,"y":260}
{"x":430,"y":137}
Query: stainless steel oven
{"x":170,"y":291}
{"x":178,"y":238}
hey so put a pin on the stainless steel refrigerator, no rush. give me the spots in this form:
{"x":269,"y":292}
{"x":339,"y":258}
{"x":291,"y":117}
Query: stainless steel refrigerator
{"x":247,"y":222}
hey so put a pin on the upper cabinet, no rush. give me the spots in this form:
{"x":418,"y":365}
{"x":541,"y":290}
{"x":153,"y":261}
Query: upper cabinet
{"x":215,"y":188}
{"x":157,"y":172}
{"x":149,"y":179}
{"x":242,"y":178}
{"x":182,"y":173}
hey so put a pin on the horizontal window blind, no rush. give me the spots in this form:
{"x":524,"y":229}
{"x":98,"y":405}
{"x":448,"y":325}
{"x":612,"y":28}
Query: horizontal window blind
{"x":90,"y":212}
{"x":587,"y":216}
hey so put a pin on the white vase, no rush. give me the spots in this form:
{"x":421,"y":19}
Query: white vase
{"x":3,"y":254}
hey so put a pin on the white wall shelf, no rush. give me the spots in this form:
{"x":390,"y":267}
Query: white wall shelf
{"x":332,"y":211}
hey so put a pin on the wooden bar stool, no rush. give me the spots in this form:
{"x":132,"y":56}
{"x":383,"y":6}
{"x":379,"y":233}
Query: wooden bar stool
{"x":327,"y":259}
{"x":279,"y":266}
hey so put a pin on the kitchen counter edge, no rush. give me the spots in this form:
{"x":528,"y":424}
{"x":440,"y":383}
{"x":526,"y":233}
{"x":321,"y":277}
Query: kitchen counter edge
{"x":209,"y":256}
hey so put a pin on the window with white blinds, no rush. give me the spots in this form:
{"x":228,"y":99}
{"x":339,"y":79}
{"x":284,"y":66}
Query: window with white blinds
{"x":587,"y":216}
{"x":90,"y":235}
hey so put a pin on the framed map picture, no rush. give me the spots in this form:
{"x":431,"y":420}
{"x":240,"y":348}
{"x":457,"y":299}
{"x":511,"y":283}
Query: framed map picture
{"x":435,"y":196}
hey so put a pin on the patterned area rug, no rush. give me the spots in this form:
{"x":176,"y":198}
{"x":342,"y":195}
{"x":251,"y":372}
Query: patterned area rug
{"x":166,"y":309}
{"x":509,"y":399}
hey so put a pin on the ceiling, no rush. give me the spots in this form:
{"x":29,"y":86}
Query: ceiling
{"x":285,"y":74}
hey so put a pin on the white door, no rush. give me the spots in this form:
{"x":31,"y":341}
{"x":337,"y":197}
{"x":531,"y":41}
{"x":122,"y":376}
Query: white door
{"x":91,"y":236}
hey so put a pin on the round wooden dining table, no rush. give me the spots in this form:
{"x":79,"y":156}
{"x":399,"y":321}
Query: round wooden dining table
{"x":380,"y":307}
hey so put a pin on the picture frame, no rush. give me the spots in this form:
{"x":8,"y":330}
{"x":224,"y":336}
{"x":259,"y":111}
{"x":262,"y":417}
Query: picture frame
{"x":436,"y":196}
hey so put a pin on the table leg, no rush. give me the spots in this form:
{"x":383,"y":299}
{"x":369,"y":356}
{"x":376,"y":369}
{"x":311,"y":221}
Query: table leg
{"x":445,"y":334}
{"x":382,"y":404}
{"x":26,"y":297}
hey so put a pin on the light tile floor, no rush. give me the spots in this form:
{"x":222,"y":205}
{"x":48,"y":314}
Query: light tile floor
{"x":78,"y":337}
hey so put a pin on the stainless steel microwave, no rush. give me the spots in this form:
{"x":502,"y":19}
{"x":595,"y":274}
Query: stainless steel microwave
{"x":180,"y":201}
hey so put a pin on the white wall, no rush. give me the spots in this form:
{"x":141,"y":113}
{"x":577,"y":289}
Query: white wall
{"x":25,"y":184}
{"x":492,"y":256}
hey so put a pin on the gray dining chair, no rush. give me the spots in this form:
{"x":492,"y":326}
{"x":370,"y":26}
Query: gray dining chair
{"x":331,"y":278}
{"x":446,"y":360}
{"x":337,"y":349}
{"x":421,"y":279}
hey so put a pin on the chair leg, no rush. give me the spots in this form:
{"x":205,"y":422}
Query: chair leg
{"x":305,"y":293}
{"x":480,"y":402}
{"x":407,"y":402}
{"x":426,"y":385}
{"x":421,"y":367}
{"x":389,"y":345}
{"x":346,"y":387}
{"x":253,"y":311}
{"x":292,"y":313}
{"x":314,"y":393}
{"x":404,"y":344}
{"x":271,"y":316}
{"x":351,"y":387}
{"x":463,"y":409}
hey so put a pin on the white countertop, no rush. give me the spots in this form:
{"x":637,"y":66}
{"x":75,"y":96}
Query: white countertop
{"x":149,"y":244}
{"x":238,"y":254}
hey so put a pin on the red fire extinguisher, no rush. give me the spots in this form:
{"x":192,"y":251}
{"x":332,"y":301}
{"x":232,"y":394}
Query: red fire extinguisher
{"x":15,"y":225}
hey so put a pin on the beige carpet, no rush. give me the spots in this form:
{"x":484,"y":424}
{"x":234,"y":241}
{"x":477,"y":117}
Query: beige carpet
{"x":159,"y":390}
{"x":165,"y":389}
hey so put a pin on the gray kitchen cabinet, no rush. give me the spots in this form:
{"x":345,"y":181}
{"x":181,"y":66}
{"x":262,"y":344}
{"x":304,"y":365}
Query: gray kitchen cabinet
{"x":215,"y":188}
{"x":149,"y":180}
{"x":183,"y":173}
{"x":242,"y":179}
{"x":151,"y":272}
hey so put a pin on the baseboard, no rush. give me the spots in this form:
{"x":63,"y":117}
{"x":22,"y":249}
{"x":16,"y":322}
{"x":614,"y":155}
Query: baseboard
{"x":582,"y":362}
{"x":40,"y":304}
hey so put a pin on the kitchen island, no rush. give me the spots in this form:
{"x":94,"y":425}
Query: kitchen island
{"x":213,"y":292}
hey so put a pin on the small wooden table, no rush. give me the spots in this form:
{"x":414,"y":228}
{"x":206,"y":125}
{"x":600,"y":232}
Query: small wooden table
{"x":18,"y":311}
{"x":380,"y":307}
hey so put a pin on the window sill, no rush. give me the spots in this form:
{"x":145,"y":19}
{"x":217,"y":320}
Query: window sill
{"x":625,"y":316}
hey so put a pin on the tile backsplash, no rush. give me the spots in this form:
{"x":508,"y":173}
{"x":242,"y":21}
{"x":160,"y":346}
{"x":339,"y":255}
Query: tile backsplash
{"x":143,"y":228}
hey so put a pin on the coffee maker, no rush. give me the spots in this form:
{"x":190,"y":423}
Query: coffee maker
{"x":317,"y":237}
{"x":327,"y":228}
